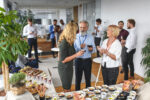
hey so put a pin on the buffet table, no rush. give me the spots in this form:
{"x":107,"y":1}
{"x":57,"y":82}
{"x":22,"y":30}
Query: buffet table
{"x":104,"y":92}
{"x":41,"y":79}
{"x":26,"y":96}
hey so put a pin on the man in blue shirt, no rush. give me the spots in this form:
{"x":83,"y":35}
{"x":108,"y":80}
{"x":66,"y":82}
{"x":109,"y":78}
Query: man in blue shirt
{"x":52,"y":35}
{"x":84,"y":41}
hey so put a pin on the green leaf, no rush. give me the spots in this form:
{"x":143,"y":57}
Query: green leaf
{"x":2,"y":9}
{"x":10,"y":43}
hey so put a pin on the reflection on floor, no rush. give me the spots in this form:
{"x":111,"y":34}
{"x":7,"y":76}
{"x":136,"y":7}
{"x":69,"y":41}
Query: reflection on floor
{"x":95,"y":68}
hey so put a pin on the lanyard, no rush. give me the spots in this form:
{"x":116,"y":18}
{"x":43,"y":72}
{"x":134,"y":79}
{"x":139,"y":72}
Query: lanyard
{"x":83,"y":40}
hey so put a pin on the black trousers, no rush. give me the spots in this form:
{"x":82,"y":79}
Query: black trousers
{"x":83,"y":65}
{"x":32,"y":42}
{"x":110,"y":75}
{"x":97,"y":43}
{"x":127,"y":60}
{"x":53,"y":42}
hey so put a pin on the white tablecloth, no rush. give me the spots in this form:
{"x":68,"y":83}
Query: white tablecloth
{"x":39,"y":51}
{"x":97,"y":60}
{"x":26,"y":96}
{"x":55,"y":49}
{"x":2,"y":82}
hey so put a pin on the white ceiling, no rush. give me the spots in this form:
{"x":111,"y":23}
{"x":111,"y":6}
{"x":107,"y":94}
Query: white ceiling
{"x":48,"y":3}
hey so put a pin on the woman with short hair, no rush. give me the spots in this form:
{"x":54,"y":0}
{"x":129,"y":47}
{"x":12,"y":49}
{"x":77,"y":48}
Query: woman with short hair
{"x":111,"y":53}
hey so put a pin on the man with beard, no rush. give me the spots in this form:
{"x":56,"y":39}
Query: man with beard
{"x":122,"y":36}
{"x":129,"y":50}
{"x":84,"y":41}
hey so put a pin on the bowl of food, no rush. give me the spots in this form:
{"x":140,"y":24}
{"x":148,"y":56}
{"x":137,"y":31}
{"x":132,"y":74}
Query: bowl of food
{"x":103,"y":95}
{"x":104,"y":86}
{"x":91,"y":88}
{"x":104,"y":90}
{"x":112,"y":88}
{"x":55,"y":98}
{"x":85,"y":90}
{"x":69,"y":96}
{"x":95,"y":98}
{"x":98,"y":87}
{"x":48,"y":97}
{"x":114,"y":95}
{"x":131,"y":97}
{"x":61,"y":94}
{"x":132,"y":93}
{"x":97,"y":91}
{"x":117,"y":92}
{"x":91,"y":95}
{"x":90,"y":92}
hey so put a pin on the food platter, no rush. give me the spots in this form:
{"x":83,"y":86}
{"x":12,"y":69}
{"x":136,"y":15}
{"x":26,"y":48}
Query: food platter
{"x":104,"y":92}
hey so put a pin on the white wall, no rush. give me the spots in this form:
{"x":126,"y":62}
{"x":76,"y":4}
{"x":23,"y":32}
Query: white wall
{"x":3,"y":4}
{"x":97,"y":9}
{"x":87,"y":12}
{"x":115,"y":10}
{"x":80,"y":13}
{"x":62,"y":15}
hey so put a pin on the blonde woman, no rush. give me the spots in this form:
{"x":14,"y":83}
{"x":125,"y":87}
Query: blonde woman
{"x":67,"y":54}
{"x":111,"y":51}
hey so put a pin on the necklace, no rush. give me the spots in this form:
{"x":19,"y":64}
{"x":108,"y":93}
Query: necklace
{"x":110,"y":42}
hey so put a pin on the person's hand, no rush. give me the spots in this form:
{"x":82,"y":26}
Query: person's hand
{"x":123,"y":42}
{"x":90,"y":48}
{"x":95,"y":28}
{"x":35,"y":35}
{"x":82,"y":46}
{"x":98,"y":48}
{"x":78,"y":97}
{"x":103,"y":51}
{"x":80,"y":53}
{"x":31,"y":33}
{"x":93,"y":33}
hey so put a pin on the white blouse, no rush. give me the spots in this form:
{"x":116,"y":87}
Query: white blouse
{"x":100,"y":33}
{"x":114,"y":49}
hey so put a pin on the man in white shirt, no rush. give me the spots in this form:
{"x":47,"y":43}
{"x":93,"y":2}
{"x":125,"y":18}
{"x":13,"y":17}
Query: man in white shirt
{"x":98,"y":33}
{"x":31,"y":32}
{"x":129,"y":50}
{"x":62,"y":24}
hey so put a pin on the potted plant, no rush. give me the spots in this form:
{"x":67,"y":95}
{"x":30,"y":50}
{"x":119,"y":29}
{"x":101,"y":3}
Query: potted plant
{"x":11,"y":43}
{"x":17,"y":83}
{"x":146,"y":59}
